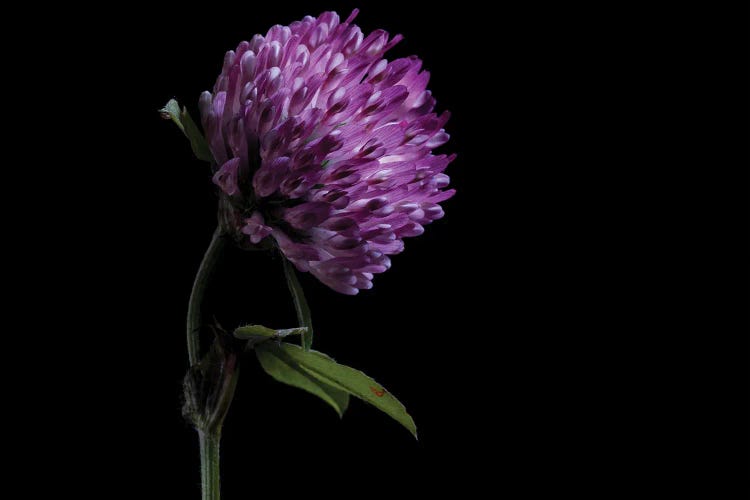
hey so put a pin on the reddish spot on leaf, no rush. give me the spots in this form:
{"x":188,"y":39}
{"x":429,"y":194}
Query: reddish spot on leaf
{"x":378,"y":393}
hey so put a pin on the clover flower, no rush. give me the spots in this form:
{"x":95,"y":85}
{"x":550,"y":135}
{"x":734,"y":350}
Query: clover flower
{"x":326,"y":147}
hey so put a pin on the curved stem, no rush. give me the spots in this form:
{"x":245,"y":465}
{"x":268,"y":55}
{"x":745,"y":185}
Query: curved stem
{"x":300,"y":303}
{"x":206,"y":269}
{"x":210,"y":479}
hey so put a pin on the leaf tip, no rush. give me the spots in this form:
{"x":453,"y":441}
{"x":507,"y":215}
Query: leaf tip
{"x":412,"y":427}
{"x":342,"y":409}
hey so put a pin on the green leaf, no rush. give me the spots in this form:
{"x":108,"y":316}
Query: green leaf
{"x":260,"y":332}
{"x":183,"y":120}
{"x":253,"y":331}
{"x":300,"y":303}
{"x":285,"y":370}
{"x":343,"y":377}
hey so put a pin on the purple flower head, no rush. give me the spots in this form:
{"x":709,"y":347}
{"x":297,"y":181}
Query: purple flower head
{"x":326,"y":147}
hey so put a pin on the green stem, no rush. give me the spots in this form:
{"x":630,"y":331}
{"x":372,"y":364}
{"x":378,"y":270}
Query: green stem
{"x":210,"y":479}
{"x":206,"y":269}
{"x":300,"y":303}
{"x":209,"y":438}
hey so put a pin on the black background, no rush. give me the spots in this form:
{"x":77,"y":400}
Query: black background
{"x":540,"y":334}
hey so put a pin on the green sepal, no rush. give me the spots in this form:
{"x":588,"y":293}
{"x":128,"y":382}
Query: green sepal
{"x":208,"y":386}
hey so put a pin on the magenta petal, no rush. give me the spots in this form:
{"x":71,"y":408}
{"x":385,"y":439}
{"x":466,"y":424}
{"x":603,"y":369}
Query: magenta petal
{"x":255,"y":228}
{"x":307,"y":215}
{"x":226,"y":177}
{"x":270,"y":176}
{"x":335,"y":145}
